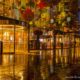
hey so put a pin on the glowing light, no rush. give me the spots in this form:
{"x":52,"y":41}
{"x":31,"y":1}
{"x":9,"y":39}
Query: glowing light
{"x":63,"y":14}
{"x":60,"y":40}
{"x":52,"y":21}
{"x":6,"y":34}
{"x":20,"y":40}
{"x":30,"y":22}
{"x":45,"y":15}
{"x":68,"y":19}
{"x":41,"y":40}
{"x":11,"y":38}
{"x":21,"y":75}
{"x":11,"y":58}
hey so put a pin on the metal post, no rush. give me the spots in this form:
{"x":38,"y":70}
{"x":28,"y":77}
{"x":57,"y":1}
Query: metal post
{"x":54,"y":50}
{"x":14,"y":54}
{"x":70,"y":53}
{"x":38,"y":42}
{"x":62,"y":63}
{"x":74,"y":49}
{"x":28,"y":37}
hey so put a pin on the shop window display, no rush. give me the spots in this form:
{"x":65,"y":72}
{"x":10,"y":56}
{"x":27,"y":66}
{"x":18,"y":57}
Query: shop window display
{"x":13,"y":45}
{"x":13,"y":35}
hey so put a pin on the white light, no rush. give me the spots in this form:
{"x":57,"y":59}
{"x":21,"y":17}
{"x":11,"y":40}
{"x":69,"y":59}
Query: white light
{"x":41,"y":40}
{"x":11,"y":38}
{"x":68,"y":19}
{"x":52,"y":21}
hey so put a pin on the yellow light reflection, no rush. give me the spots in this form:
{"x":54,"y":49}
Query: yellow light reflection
{"x":7,"y":36}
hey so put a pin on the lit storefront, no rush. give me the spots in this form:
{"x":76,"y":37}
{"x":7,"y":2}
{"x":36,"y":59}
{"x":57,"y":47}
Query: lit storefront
{"x":13,"y":46}
{"x":7,"y":36}
{"x":13,"y":32}
{"x":13,"y":39}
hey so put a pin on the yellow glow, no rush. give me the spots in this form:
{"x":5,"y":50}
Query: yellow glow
{"x":7,"y":37}
{"x":63,"y":24}
{"x":30,"y":22}
{"x":11,"y":38}
{"x":11,"y":26}
{"x":60,"y":40}
{"x":63,"y":14}
{"x":6,"y":34}
{"x":21,"y":75}
{"x":37,"y":23}
{"x":45,"y":15}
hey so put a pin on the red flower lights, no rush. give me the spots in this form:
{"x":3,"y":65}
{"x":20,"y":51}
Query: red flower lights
{"x":27,"y":14}
{"x":42,"y":4}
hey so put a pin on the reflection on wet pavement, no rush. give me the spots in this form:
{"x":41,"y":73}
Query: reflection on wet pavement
{"x":35,"y":67}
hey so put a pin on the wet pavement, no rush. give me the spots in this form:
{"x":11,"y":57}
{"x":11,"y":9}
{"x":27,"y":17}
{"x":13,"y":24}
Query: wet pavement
{"x":39,"y":70}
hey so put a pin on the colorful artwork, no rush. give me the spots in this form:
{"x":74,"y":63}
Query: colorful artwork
{"x":39,"y":12}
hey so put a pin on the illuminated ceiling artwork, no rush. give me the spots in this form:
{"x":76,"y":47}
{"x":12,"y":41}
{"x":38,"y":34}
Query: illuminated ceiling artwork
{"x":44,"y":13}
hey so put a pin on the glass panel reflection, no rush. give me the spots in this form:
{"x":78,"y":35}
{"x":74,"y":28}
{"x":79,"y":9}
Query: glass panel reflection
{"x":7,"y":36}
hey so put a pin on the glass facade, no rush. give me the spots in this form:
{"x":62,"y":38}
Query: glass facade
{"x":38,"y":38}
{"x":12,"y":34}
{"x":13,"y":48}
